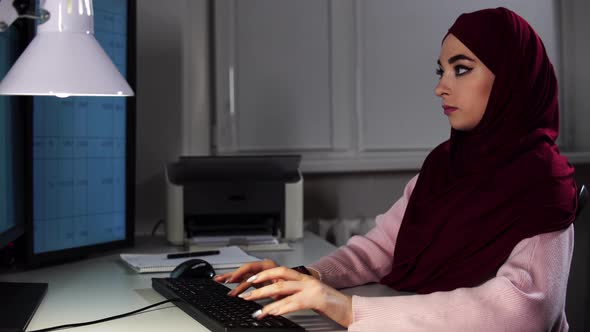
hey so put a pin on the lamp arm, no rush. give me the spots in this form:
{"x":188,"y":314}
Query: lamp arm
{"x":8,"y":14}
{"x":11,"y":10}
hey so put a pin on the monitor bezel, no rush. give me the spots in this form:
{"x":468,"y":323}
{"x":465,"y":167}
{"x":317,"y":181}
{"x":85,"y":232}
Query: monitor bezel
{"x":14,"y":233}
{"x":40,"y":259}
{"x":11,"y":234}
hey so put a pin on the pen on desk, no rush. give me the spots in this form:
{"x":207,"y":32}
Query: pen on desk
{"x":193,"y":254}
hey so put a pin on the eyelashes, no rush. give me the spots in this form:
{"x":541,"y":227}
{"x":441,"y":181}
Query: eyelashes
{"x":460,"y":70}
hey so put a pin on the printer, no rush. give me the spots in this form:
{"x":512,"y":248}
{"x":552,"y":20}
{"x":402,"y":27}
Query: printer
{"x":234,"y":195}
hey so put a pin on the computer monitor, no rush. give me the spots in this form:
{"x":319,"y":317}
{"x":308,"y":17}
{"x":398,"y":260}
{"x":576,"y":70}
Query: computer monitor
{"x":82,"y":157}
{"x":12,"y":129}
{"x":18,"y":301}
{"x":11,"y":166}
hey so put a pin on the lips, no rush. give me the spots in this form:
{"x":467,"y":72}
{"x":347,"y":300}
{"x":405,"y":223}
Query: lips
{"x":448,"y":109}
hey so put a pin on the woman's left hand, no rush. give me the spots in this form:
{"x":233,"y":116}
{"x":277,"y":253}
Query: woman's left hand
{"x":299,"y":291}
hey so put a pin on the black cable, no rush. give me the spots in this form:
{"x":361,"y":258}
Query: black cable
{"x":67,"y":326}
{"x":161,"y":221}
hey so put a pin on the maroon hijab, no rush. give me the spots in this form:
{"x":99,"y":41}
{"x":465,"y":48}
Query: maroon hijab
{"x":483,"y":191}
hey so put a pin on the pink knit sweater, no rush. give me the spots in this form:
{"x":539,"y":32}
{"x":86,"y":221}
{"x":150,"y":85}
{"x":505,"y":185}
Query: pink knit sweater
{"x":527,"y":293}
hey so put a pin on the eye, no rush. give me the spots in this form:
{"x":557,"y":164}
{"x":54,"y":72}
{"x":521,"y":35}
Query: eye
{"x":439,"y":72}
{"x":461,"y":70}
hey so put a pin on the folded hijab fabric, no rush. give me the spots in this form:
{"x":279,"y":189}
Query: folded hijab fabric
{"x":483,"y":191}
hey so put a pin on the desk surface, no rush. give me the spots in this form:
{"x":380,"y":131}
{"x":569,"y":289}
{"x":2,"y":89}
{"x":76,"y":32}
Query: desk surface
{"x":103,"y":286}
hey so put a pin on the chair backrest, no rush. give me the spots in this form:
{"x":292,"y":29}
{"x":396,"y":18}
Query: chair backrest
{"x":582,"y":199}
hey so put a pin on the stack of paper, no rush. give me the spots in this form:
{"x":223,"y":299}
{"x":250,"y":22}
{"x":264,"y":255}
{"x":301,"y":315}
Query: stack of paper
{"x":233,"y":240}
{"x":228,"y":257}
{"x":247,"y":243}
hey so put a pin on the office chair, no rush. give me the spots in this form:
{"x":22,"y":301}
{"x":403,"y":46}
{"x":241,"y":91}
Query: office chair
{"x":582,"y":199}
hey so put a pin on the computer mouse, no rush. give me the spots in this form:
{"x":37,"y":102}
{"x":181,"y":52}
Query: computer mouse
{"x":193,"y":268}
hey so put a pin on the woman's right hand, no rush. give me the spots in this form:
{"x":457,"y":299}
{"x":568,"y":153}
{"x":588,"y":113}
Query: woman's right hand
{"x":243,"y":273}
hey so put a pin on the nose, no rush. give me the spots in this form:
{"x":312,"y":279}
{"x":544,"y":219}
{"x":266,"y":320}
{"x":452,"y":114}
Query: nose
{"x":441,"y":88}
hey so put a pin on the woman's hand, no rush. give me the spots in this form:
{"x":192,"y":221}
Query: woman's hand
{"x":243,"y":273}
{"x":297,"y":292}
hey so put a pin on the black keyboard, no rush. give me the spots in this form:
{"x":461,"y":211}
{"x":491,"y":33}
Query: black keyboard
{"x":207,"y":301}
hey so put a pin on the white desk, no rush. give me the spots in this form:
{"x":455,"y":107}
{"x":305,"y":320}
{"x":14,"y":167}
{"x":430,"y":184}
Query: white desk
{"x":103,"y":286}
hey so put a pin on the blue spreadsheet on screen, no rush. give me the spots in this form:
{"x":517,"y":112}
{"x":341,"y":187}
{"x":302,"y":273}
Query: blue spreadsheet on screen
{"x":79,"y":155}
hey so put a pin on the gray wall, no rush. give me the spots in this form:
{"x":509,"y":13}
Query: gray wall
{"x":159,"y":29}
{"x":352,"y":195}
{"x":159,"y":139}
{"x":576,"y":72}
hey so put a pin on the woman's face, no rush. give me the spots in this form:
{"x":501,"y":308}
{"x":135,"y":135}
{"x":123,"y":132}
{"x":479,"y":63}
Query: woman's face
{"x":464,"y":86}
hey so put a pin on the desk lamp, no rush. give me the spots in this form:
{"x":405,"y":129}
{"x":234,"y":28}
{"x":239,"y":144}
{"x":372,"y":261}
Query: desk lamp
{"x":64,"y":59}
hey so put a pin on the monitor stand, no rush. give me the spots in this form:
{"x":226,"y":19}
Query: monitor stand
{"x":18,"y":303}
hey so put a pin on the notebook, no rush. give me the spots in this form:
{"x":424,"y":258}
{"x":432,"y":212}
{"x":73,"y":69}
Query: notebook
{"x":228,"y":257}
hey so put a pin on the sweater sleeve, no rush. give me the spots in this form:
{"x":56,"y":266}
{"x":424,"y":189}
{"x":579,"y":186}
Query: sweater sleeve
{"x":527,"y":294}
{"x":366,"y":258}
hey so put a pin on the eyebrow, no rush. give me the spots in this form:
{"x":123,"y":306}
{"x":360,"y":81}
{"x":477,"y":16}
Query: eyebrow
{"x":456,"y":58}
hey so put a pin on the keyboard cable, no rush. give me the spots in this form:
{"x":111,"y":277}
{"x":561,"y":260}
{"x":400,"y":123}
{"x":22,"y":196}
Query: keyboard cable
{"x":68,"y":326}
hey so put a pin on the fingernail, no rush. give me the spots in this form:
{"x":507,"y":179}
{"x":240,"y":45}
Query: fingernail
{"x":243,"y":295}
{"x":226,"y":281}
{"x":252,"y":278}
{"x":229,"y":293}
{"x":257,"y":313}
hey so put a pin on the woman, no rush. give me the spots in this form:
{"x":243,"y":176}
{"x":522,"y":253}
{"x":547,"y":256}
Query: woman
{"x":483,"y":235}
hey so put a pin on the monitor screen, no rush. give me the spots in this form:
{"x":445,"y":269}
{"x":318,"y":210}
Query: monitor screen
{"x":82,"y":156}
{"x":12,"y":115}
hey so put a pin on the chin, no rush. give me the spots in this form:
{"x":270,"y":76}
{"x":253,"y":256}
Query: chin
{"x":460,"y":126}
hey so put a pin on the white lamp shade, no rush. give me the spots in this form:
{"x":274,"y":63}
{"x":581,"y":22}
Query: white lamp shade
{"x":64,"y":59}
{"x":62,"y":65}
